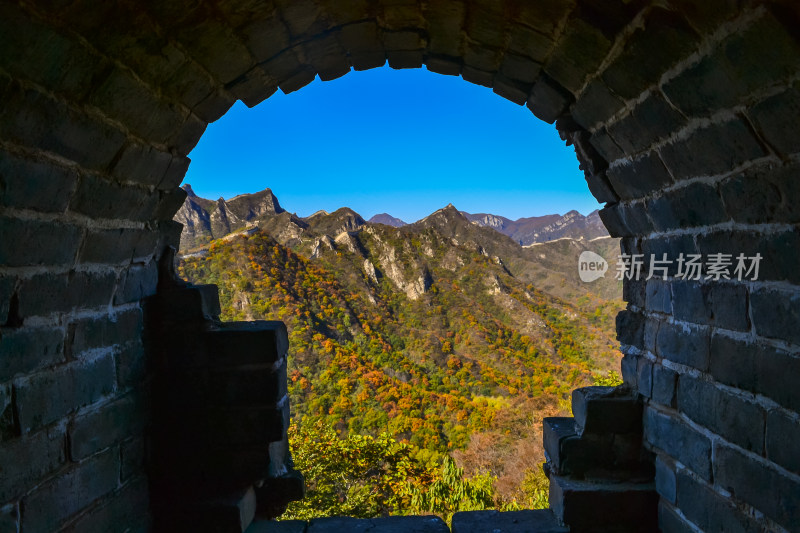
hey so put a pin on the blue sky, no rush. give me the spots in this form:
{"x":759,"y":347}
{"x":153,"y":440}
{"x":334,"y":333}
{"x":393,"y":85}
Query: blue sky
{"x":406,"y":142}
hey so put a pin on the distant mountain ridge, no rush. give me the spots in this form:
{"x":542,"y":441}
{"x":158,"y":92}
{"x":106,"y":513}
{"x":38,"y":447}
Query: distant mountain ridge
{"x":534,"y":230}
{"x":204,"y":220}
{"x":388,"y":220}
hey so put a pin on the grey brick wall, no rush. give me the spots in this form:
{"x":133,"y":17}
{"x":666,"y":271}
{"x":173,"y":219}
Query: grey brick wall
{"x":683,"y":117}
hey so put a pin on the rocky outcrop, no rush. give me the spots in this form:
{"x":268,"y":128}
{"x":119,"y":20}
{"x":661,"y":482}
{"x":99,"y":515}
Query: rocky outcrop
{"x":204,"y":220}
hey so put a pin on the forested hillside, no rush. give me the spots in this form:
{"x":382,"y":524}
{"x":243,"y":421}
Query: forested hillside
{"x":437,"y":335}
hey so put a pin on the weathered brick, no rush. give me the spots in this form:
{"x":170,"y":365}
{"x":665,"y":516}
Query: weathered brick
{"x":756,"y":368}
{"x":176,"y":172}
{"x":651,"y":333}
{"x":52,"y":293}
{"x":625,"y":220}
{"x":737,"y":420}
{"x":684,"y":344}
{"x":548,"y":100}
{"x":778,"y":253}
{"x":634,"y":292}
{"x":578,"y":53}
{"x":744,"y":62}
{"x":630,"y":327}
{"x":678,"y":440}
{"x":498,"y":521}
{"x":265,"y":37}
{"x":606,"y":146}
{"x":90,"y":333}
{"x":189,"y":133}
{"x":46,"y":243}
{"x":50,"y":505}
{"x":142,"y":164}
{"x":590,"y":161}
{"x":772,"y":117}
{"x":712,"y":150}
{"x":126,"y":99}
{"x":118,"y":245}
{"x":775,"y":370}
{"x":524,"y":71}
{"x":639,"y":177}
{"x":602,"y":410}
{"x":673,"y":246}
{"x":252,"y":87}
{"x":697,"y":204}
{"x":596,"y":104}
{"x":23,"y":350}
{"x":709,"y":510}
{"x":628,"y":368}
{"x":664,"y":386}
{"x":215,"y":46}
{"x":670,"y":522}
{"x":763,"y":194}
{"x":28,"y":460}
{"x":100,"y":198}
{"x":663,"y":41}
{"x":212,"y":108}
{"x":449,"y":66}
{"x":526,"y":42}
{"x":644,"y":378}
{"x":754,"y":482}
{"x":110,"y":423}
{"x":659,"y":296}
{"x":33,"y":119}
{"x":40,"y":53}
{"x":8,"y":429}
{"x":169,"y":202}
{"x":666,"y":484}
{"x":7,"y":292}
{"x":410,"y":524}
{"x":136,"y":283}
{"x":716,"y":304}
{"x":776,"y":314}
{"x":514,"y":91}
{"x":131,"y":364}
{"x":50,"y":395}
{"x":130,"y":506}
{"x":30,"y":184}
{"x":650,"y":121}
{"x":783,"y":434}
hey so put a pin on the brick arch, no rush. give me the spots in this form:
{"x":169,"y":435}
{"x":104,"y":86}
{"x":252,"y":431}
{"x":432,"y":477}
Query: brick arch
{"x":682,"y":117}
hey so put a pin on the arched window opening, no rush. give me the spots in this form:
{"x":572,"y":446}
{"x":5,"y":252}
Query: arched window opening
{"x":428,"y":341}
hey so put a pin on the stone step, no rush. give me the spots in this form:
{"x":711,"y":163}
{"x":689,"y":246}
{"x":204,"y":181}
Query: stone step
{"x":340,"y":524}
{"x":604,"y":456}
{"x":601,"y":410}
{"x":529,"y":521}
{"x":604,"y":507}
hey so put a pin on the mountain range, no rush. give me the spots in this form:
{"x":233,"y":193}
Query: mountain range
{"x":444,"y":333}
{"x":204,"y":220}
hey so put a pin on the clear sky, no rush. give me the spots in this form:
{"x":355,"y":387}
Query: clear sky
{"x":405,"y":142}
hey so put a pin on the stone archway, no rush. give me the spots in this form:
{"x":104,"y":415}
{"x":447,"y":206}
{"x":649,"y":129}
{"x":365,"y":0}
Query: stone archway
{"x":682,"y":116}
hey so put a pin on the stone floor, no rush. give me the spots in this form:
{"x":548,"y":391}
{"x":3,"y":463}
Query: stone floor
{"x":541,"y":521}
